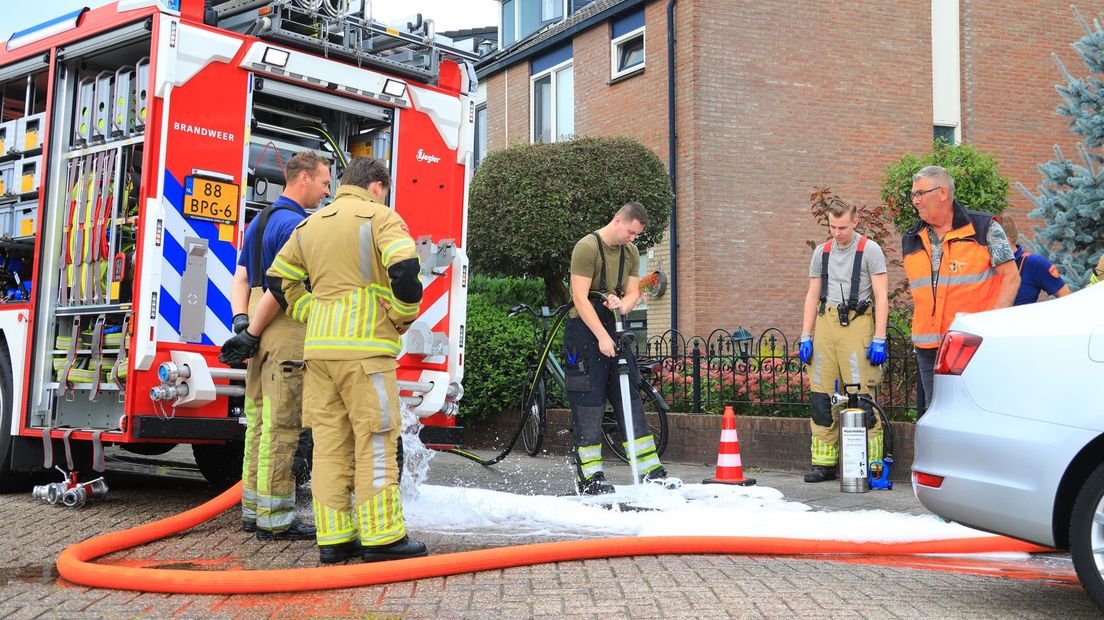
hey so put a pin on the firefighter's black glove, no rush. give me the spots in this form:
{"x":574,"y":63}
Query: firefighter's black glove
{"x":241,"y":321}
{"x":239,"y":348}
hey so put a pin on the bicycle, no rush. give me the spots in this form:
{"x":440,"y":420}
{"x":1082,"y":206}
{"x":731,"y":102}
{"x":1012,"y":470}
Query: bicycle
{"x":534,"y":398}
{"x":533,"y":392}
{"x":547,"y":370}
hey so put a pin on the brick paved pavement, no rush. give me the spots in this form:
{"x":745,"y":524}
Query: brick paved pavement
{"x":641,"y":587}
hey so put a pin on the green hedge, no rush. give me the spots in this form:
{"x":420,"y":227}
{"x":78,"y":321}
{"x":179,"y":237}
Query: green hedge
{"x":978,"y":182}
{"x":530,"y":204}
{"x":498,"y":348}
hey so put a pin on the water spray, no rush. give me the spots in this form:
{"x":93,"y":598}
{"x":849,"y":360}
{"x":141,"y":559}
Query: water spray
{"x":624,"y":341}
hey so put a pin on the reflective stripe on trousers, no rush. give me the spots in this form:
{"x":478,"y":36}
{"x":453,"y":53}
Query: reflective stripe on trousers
{"x":333,"y":526}
{"x":381,"y":518}
{"x":249,"y":460}
{"x":645,"y":450}
{"x":590,"y":459}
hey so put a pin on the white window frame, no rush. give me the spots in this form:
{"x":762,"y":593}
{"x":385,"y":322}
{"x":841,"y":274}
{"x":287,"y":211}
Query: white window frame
{"x":564,"y":7}
{"x":517,"y":26}
{"x":615,"y":53}
{"x":476,"y":144}
{"x":955,"y":132}
{"x":551,"y":73}
{"x":946,"y":66}
{"x":563,"y":12}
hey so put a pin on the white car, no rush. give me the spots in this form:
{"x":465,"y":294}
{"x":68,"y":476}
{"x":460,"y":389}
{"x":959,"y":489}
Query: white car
{"x":1013,"y":442}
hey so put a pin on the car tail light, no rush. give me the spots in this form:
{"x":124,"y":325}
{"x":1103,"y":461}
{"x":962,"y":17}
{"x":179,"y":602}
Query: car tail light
{"x":955,"y":352}
{"x":928,"y":480}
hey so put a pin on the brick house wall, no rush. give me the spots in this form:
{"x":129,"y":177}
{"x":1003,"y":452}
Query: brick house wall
{"x":773,"y":101}
{"x":826,"y":95}
{"x":1008,"y":80}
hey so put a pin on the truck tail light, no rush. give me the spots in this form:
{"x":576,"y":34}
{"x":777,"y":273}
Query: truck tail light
{"x":955,"y":352}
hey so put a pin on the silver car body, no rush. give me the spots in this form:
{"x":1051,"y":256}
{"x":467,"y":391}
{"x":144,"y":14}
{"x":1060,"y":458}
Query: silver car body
{"x":1003,"y":434}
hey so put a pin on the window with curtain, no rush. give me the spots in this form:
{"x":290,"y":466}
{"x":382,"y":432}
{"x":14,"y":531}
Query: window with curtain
{"x":553,"y":97}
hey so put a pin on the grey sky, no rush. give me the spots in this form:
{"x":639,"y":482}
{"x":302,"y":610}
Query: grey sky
{"x":447,"y":14}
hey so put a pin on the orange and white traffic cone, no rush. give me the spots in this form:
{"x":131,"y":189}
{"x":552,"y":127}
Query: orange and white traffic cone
{"x":730,"y":469}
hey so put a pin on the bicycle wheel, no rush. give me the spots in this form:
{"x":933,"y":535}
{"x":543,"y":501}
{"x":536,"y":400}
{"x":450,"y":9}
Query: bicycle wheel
{"x":657,"y":424}
{"x":533,"y":408}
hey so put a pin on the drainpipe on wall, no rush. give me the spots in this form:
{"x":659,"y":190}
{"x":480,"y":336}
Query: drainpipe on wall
{"x":672,"y":144}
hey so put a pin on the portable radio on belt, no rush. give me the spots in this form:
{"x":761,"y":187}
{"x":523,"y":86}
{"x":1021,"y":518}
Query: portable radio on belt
{"x":852,"y":302}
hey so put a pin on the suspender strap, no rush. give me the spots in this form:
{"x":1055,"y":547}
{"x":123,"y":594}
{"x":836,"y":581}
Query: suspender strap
{"x":856,"y":271}
{"x":602,"y":274}
{"x":824,"y":277}
{"x":256,"y":264}
{"x":621,"y":272}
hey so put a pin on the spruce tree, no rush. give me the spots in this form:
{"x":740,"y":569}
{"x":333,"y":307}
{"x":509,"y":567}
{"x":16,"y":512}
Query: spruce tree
{"x":1070,"y":200}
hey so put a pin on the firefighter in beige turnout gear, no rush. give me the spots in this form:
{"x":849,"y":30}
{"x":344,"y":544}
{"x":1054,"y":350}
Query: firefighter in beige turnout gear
{"x":351,"y":272}
{"x":273,"y":343}
{"x":848,"y":302}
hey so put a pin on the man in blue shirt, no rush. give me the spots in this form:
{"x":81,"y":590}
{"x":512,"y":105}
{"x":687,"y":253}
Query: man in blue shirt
{"x":1036,"y":272}
{"x":273,"y":343}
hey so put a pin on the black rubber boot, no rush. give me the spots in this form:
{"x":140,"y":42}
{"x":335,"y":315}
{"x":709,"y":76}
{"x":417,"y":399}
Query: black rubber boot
{"x":821,"y":473}
{"x":330,"y":554}
{"x":594,"y":485}
{"x":297,"y":531}
{"x":249,"y":526}
{"x":659,"y":476}
{"x":398,"y":550}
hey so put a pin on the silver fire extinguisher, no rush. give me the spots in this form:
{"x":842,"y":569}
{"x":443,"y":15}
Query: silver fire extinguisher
{"x":854,"y":459}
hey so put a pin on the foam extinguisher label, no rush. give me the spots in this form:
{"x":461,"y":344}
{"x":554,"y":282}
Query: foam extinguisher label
{"x":853,"y":450}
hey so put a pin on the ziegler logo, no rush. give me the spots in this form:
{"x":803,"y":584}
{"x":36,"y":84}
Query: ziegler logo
{"x":426,"y":157}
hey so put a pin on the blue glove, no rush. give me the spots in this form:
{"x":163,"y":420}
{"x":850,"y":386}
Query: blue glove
{"x":876,"y":352}
{"x":805,"y":349}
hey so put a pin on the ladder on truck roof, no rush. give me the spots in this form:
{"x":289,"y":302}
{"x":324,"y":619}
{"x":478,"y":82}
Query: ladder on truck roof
{"x":335,"y":28}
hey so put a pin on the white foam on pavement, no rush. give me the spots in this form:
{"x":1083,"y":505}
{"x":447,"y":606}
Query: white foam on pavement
{"x":693,"y":510}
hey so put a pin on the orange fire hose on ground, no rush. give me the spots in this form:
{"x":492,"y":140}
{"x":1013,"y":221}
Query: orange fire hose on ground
{"x":75,"y":563}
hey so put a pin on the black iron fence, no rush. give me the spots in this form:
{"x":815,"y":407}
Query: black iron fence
{"x":760,"y":376}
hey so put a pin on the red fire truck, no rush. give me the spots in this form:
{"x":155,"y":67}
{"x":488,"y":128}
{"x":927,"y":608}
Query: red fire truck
{"x":137,"y":141}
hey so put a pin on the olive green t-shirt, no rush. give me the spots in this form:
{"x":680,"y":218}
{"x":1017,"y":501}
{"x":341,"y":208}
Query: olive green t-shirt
{"x":585,"y":262}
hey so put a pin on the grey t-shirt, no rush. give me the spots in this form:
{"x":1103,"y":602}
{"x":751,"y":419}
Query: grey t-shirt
{"x":841,"y":262}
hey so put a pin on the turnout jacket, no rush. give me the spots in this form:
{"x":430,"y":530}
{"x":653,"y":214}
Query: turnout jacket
{"x":334,"y":271}
{"x":964,"y":282}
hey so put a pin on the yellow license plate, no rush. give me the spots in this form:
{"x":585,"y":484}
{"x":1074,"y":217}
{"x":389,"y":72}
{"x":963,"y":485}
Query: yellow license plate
{"x":214,"y":201}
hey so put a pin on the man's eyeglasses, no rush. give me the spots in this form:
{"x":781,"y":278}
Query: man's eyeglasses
{"x":920,"y":194}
